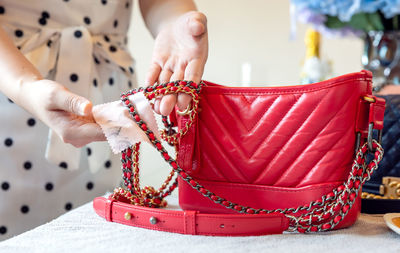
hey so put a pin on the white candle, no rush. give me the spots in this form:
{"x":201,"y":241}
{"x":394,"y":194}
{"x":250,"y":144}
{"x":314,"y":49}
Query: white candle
{"x":246,"y":74}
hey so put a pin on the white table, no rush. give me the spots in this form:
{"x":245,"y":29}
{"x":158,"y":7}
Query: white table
{"x":81,"y":230}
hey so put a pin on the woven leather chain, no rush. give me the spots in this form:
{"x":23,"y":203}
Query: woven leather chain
{"x":320,"y":215}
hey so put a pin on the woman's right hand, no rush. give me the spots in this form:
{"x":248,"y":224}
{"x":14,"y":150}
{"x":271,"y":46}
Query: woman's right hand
{"x":67,"y":114}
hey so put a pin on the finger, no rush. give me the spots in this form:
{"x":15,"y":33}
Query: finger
{"x":168,"y":101}
{"x":67,"y":101}
{"x":157,"y":105}
{"x":152,"y":74}
{"x":177,"y":75}
{"x":83,"y":134}
{"x":183,"y":101}
{"x":194,"y":71}
{"x":165,"y":75}
{"x":167,"y":104}
{"x":197,"y":24}
{"x":92,"y":132}
{"x":86,"y":134}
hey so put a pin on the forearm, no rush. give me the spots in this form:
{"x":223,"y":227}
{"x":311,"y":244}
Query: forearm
{"x":15,"y":69}
{"x":158,"y":13}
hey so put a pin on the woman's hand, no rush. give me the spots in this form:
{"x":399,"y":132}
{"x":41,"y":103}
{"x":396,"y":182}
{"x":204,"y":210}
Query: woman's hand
{"x":180,"y":53}
{"x":68,"y":114}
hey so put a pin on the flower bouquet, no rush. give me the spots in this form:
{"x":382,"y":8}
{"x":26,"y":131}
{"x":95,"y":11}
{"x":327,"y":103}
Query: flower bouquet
{"x":375,"y":21}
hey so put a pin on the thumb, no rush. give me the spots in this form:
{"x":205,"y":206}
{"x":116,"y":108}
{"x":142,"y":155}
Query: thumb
{"x":70,"y":102}
{"x":197,"y":23}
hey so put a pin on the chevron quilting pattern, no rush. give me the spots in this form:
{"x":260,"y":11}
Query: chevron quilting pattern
{"x":390,"y":164}
{"x":268,"y":137}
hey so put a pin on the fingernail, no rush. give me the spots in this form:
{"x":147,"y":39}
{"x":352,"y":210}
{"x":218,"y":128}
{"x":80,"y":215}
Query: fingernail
{"x":83,"y":108}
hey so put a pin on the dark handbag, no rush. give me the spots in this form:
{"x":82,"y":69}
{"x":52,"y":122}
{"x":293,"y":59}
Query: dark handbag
{"x":381,"y":194}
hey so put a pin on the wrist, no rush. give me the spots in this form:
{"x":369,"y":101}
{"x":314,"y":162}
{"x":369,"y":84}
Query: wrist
{"x":25,"y":88}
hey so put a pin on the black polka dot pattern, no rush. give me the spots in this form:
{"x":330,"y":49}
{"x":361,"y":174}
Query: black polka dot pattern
{"x":68,"y":206}
{"x":113,"y":49}
{"x":24,"y":209}
{"x":89,"y":151}
{"x":87,"y":20}
{"x":77,"y":34}
{"x":5,"y":186}
{"x":31,"y":122}
{"x":89,"y":186}
{"x":3,"y":230}
{"x":30,"y":171}
{"x":27,"y":165}
{"x":73,"y":77}
{"x":49,"y":187}
{"x":63,"y":165}
{"x":19,"y":33}
{"x":45,"y":14}
{"x":8,"y":142}
{"x":43,"y":19}
{"x":107,"y":164}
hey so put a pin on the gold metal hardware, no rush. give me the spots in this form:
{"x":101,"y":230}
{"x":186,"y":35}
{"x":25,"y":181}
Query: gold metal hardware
{"x":369,"y":99}
{"x":128,"y":216}
{"x":389,"y":189}
{"x":187,"y":111}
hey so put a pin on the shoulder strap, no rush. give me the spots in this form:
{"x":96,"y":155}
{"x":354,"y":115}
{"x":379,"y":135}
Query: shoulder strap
{"x":190,"y":222}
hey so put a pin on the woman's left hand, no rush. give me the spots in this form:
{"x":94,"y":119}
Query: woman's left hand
{"x":180,"y":53}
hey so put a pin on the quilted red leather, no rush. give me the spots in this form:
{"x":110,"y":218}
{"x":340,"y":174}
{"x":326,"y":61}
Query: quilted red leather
{"x":274,"y":147}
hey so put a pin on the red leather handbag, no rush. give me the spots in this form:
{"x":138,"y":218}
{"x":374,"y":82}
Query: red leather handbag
{"x":254,"y":161}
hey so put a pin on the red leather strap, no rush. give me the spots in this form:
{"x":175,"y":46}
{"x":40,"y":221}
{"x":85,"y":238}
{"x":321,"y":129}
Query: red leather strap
{"x":108,"y":208}
{"x":190,"y":222}
{"x":377,"y":112}
{"x":370,"y":112}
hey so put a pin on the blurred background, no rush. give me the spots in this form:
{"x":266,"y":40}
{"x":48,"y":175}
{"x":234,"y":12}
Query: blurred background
{"x":255,"y":33}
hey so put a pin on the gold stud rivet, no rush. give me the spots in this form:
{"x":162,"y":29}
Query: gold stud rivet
{"x":128,"y":216}
{"x":153,"y":220}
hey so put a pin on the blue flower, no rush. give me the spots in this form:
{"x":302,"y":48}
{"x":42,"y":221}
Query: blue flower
{"x":317,"y":21}
{"x":390,"y":8}
{"x":343,"y":9}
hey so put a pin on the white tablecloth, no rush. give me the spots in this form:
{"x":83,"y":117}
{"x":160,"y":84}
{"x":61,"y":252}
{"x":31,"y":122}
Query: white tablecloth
{"x":81,"y":230}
